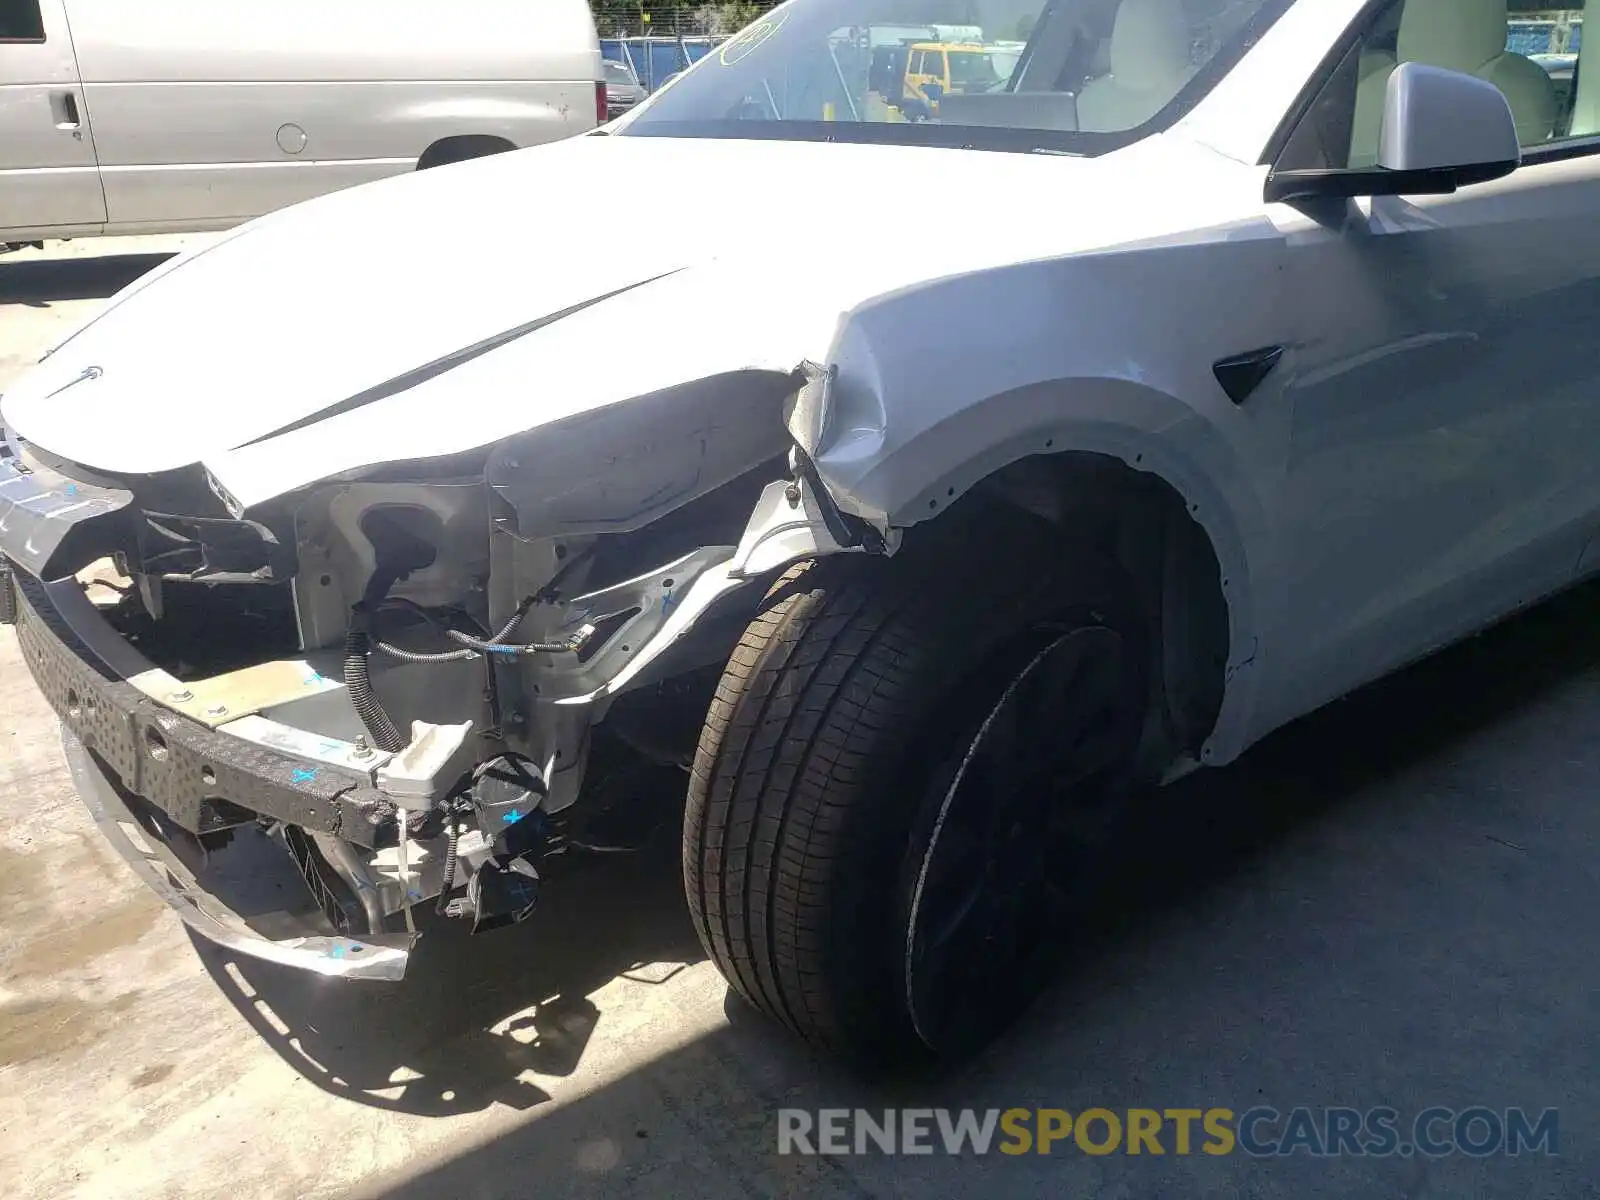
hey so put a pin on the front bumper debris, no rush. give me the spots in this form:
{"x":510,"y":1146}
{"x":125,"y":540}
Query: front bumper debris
{"x":287,"y":936}
{"x":199,"y":776}
{"x":48,"y":519}
{"x":165,"y":790}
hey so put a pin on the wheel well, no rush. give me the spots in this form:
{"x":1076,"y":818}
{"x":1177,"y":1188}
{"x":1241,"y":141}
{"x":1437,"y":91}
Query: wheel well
{"x":1144,"y":524}
{"x":460,"y":148}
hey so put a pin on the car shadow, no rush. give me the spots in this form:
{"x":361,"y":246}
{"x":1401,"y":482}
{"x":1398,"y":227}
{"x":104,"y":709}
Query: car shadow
{"x":474,"y":1014}
{"x":38,"y":282}
{"x":1330,"y":920}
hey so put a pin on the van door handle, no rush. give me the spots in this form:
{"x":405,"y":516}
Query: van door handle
{"x":65,"y":105}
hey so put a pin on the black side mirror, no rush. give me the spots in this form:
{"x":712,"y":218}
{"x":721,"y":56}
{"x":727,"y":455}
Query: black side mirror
{"x":1442,"y":130}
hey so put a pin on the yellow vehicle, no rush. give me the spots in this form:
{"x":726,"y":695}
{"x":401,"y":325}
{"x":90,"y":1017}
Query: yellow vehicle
{"x":936,"y":69}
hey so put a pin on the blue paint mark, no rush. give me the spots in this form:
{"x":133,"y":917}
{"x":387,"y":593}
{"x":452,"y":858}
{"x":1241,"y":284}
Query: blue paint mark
{"x":415,"y":895}
{"x":72,"y":489}
{"x":304,"y":774}
{"x":512,"y":817}
{"x":667,"y":601}
{"x":314,"y":678}
{"x":336,"y":951}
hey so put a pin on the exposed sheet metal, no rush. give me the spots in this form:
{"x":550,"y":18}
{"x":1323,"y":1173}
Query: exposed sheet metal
{"x":224,"y":698}
{"x":787,"y":526}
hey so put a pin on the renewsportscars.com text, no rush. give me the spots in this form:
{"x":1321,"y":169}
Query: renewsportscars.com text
{"x":1476,"y":1131}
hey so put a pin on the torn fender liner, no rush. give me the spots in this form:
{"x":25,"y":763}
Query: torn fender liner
{"x":439,"y":366}
{"x":212,"y":549}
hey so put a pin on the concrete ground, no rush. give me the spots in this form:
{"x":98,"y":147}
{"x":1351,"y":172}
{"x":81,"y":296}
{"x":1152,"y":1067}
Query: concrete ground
{"x":1393,"y":902}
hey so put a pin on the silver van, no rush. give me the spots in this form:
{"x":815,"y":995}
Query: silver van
{"x":179,"y":115}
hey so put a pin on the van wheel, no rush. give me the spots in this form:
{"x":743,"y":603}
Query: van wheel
{"x":460,"y":149}
{"x":902,"y":786}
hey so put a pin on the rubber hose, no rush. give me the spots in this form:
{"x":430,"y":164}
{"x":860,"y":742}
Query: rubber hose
{"x":357,"y":681}
{"x":418,"y":656}
{"x":452,"y":841}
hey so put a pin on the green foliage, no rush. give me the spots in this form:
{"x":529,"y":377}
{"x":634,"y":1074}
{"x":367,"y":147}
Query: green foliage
{"x":670,"y":18}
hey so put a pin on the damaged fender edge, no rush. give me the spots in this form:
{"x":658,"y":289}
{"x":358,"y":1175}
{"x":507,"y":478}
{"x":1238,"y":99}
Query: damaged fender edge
{"x":793,"y":520}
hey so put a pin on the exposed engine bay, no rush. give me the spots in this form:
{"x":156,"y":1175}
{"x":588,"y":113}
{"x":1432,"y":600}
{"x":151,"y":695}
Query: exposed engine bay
{"x":473,"y":646}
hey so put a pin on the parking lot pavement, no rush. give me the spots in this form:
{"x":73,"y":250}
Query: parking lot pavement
{"x":1392,"y":903}
{"x":44,"y":293}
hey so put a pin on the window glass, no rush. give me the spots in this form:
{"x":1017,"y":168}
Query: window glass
{"x":1530,"y":51}
{"x":1079,"y":76}
{"x":21,"y":21}
{"x":971,"y":69}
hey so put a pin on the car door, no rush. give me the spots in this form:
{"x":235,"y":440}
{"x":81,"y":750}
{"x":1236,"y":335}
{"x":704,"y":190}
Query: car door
{"x":49,"y":178}
{"x":920,"y":73}
{"x":1446,"y":399}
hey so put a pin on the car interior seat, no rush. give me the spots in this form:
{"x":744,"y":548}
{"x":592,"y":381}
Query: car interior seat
{"x":1459,"y":35}
{"x":1149,"y":64}
{"x":1371,"y":88}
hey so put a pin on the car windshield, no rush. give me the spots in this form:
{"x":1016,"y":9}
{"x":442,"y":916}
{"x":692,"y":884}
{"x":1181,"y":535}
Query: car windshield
{"x":617,"y":73}
{"x":1074,"y":76}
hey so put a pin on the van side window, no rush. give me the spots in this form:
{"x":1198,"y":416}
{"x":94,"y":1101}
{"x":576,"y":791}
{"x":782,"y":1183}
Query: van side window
{"x":21,"y":21}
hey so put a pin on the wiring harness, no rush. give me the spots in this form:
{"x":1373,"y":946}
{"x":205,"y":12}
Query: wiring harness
{"x":360,"y":641}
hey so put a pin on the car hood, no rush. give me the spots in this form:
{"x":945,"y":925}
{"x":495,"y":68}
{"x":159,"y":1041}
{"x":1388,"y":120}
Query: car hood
{"x":444,"y":310}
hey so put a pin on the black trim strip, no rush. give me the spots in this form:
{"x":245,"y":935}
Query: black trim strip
{"x":1330,"y":63}
{"x":1568,"y":148}
{"x":430,"y":370}
{"x":1284,"y":187}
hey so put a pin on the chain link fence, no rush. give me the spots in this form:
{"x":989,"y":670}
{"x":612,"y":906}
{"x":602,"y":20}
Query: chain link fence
{"x":658,"y":40}
{"x":630,"y":18}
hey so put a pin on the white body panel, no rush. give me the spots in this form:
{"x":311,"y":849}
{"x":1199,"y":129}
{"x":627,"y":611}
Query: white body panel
{"x":204,"y":115}
{"x":1447,"y":406}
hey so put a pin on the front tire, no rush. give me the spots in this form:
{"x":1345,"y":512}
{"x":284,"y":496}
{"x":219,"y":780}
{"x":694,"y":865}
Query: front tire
{"x":901,"y":780}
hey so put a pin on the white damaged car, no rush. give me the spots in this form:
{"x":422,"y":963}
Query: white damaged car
{"x":977,"y":470}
